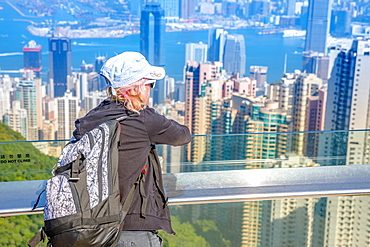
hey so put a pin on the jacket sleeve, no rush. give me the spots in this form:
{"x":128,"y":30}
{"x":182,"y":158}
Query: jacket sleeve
{"x":165,"y":131}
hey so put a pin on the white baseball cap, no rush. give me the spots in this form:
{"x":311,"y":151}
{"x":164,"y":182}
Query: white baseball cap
{"x":129,"y":67}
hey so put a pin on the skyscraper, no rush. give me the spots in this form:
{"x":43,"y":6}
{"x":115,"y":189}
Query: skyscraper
{"x":60,"y":65}
{"x":171,"y":8}
{"x":319,"y":15}
{"x":16,"y":118}
{"x":266,"y":117}
{"x":340,"y":25}
{"x":316,"y":63}
{"x":347,"y":108}
{"x":315,"y":118}
{"x":196,"y":52}
{"x":306,"y":85}
{"x":152,"y":34}
{"x":188,"y":8}
{"x":234,"y":58}
{"x":203,"y":84}
{"x":68,"y":109}
{"x":260,"y":74}
{"x":347,"y":101}
{"x":216,"y":44}
{"x":292,"y":93}
{"x":99,"y":61}
{"x":93,"y":99}
{"x":28,"y":92}
{"x":290,"y":7}
{"x":32,"y":57}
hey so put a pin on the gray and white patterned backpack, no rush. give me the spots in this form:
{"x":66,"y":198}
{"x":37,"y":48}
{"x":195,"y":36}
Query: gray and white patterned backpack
{"x":83,"y":205}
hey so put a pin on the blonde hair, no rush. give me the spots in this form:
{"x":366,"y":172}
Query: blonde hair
{"x":134,"y":96}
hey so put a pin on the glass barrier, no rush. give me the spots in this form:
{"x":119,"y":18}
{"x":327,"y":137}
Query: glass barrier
{"x":27,"y":160}
{"x":332,"y":221}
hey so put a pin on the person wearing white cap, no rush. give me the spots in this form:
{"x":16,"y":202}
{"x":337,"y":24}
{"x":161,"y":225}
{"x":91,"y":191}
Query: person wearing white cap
{"x":129,"y":78}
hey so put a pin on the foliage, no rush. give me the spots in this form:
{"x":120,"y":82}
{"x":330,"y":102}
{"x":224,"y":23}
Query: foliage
{"x":18,"y":230}
{"x":208,"y":230}
{"x":20,"y":160}
{"x":185,"y":236}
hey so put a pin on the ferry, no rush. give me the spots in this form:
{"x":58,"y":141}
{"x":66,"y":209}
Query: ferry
{"x":294,"y":33}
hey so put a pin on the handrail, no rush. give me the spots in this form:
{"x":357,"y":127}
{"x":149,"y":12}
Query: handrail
{"x":219,"y":135}
{"x":18,"y":198}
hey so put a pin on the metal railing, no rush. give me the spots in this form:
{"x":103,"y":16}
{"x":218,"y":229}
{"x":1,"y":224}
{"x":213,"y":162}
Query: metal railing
{"x":18,"y":198}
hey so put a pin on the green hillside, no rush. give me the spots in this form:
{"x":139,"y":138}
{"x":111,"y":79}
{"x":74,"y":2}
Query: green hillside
{"x":21,"y":160}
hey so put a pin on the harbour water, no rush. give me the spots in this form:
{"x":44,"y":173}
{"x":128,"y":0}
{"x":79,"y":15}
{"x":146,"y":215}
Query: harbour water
{"x":266,"y":50}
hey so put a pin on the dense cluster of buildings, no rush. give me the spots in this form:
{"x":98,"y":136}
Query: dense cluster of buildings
{"x":236,"y":115}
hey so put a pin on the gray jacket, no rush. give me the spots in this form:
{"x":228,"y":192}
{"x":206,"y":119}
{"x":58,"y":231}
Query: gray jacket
{"x":139,"y":135}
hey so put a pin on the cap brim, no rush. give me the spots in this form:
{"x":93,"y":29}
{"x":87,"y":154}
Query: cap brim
{"x":155,"y":73}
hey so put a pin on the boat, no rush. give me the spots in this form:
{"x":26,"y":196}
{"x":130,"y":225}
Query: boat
{"x":294,"y":33}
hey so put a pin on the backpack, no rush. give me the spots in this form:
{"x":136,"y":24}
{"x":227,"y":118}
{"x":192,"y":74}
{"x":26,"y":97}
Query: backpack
{"x":83,"y":205}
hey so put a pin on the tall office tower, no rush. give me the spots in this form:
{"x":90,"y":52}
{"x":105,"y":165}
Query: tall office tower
{"x":171,"y":8}
{"x":135,"y":7}
{"x":16,"y":118}
{"x":290,"y":8}
{"x":68,"y":109}
{"x":32,"y":57}
{"x":60,"y":65}
{"x":93,"y":99}
{"x":234,"y":58}
{"x":180,"y":91}
{"x":99,"y":61}
{"x":259,"y":73}
{"x":340,"y":25}
{"x":319,"y":14}
{"x":152,"y":35}
{"x":303,"y":19}
{"x":188,"y":8}
{"x":317,"y":63}
{"x":260,"y":7}
{"x":216,"y":44}
{"x":28,"y":92}
{"x":196,"y":52}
